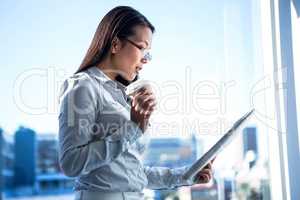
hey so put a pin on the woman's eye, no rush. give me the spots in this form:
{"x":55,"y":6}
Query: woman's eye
{"x":142,"y":47}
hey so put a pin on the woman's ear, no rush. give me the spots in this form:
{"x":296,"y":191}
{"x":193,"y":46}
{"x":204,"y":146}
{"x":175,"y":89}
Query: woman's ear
{"x":115,"y":45}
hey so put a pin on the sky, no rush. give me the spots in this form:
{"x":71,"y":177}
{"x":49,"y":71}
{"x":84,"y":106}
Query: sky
{"x":197,"y":44}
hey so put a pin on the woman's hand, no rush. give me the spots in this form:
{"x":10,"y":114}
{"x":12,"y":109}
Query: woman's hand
{"x":143,"y":104}
{"x":205,"y":175}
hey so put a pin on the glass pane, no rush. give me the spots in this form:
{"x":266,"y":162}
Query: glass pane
{"x":296,"y":51}
{"x":208,"y":71}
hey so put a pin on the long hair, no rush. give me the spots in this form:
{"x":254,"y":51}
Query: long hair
{"x":118,"y":22}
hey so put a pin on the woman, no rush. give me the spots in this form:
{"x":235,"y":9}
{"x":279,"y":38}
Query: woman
{"x":99,"y":125}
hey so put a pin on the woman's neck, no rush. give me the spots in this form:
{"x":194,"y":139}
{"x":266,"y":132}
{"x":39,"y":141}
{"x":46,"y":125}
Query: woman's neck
{"x":107,"y":67}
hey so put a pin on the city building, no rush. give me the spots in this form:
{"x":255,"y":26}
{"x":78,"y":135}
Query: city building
{"x":250,"y":145}
{"x":29,"y":164}
{"x":50,"y":179}
{"x":6,"y":162}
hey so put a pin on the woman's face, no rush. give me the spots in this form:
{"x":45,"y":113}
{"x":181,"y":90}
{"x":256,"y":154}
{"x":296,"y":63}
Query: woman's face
{"x":129,"y":59}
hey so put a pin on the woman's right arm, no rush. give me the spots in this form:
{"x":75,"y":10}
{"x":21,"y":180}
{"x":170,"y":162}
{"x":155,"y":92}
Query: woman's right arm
{"x":78,"y":153}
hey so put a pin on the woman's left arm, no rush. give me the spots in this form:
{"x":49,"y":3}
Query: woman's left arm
{"x":167,"y":178}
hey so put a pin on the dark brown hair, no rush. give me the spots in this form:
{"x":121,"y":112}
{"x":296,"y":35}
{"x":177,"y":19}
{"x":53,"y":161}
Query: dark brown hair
{"x":118,"y":22}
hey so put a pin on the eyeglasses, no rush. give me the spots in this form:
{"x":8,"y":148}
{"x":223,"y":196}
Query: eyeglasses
{"x":146,"y":54}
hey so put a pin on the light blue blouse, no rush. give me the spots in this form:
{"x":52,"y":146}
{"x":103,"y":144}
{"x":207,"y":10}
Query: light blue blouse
{"x":98,"y":141}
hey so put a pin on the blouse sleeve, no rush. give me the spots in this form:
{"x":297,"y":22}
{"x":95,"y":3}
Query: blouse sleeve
{"x":166,"y":178}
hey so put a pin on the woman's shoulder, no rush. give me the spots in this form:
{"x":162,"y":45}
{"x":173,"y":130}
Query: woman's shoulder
{"x":83,"y":78}
{"x":78,"y":81}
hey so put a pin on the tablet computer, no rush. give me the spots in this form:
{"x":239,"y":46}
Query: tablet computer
{"x":215,"y":149}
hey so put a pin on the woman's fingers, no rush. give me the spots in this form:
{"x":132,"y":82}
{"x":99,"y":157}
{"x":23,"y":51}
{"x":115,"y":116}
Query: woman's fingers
{"x":202,"y":179}
{"x":142,"y":98}
{"x":208,"y":166}
{"x":213,"y":160}
{"x":204,"y":176}
{"x":207,"y":171}
{"x":144,"y":102}
{"x":147,"y":106}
